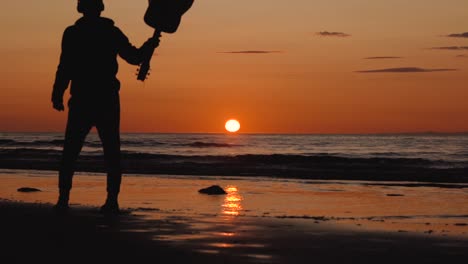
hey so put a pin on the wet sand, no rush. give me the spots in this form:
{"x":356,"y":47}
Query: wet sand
{"x":33,"y":233}
{"x":259,"y":221}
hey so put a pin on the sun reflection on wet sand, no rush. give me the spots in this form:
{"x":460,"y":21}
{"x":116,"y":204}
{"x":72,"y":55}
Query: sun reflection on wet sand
{"x":232,"y":203}
{"x":224,"y":234}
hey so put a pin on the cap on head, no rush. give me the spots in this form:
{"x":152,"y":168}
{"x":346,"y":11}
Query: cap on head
{"x":85,"y":6}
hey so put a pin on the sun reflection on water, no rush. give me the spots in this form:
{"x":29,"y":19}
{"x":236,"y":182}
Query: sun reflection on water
{"x":232,"y":203}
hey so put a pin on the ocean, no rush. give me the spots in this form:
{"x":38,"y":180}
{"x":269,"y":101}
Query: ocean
{"x":390,"y":183}
{"x":432,"y":157}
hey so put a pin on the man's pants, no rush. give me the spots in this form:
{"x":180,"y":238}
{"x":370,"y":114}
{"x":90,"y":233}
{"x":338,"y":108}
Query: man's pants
{"x":104,"y":114}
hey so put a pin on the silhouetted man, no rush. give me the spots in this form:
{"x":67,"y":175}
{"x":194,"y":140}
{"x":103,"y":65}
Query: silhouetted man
{"x":89,"y":62}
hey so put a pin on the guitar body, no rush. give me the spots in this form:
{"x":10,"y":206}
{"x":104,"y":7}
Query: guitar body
{"x":164,"y":16}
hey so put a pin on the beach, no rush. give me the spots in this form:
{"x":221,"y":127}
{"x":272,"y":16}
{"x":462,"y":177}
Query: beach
{"x":260,"y":220}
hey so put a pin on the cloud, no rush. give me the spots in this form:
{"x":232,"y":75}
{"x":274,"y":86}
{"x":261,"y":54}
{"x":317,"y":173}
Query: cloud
{"x":405,"y":70}
{"x":458,"y":35}
{"x":451,"y":48}
{"x":252,"y":52}
{"x":333,"y":34}
{"x":382,"y":58}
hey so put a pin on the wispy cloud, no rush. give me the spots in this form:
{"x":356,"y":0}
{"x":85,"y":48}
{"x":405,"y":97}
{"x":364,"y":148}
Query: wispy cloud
{"x":251,"y":52}
{"x":451,"y":48}
{"x":405,"y":70}
{"x":382,"y":58}
{"x":458,"y":35}
{"x":333,"y":34}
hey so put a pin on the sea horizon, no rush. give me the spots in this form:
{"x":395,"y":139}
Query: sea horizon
{"x":93,"y":131}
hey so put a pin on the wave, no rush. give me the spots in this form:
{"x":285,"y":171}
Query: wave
{"x":98,"y":144}
{"x":6,"y":141}
{"x":318,"y":158}
{"x":387,"y":154}
{"x":200,"y":144}
{"x":276,"y":165}
{"x":11,"y":142}
{"x":55,"y":142}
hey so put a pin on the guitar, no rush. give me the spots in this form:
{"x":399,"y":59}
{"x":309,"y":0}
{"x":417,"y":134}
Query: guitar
{"x":164,"y":16}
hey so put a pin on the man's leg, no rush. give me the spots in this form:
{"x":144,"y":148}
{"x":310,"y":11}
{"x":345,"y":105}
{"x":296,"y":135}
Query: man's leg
{"x":77,"y":128}
{"x":108,"y":126}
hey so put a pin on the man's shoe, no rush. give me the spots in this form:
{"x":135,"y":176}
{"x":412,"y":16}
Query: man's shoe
{"x":61,"y":207}
{"x":110,"y":207}
{"x":62,"y":203}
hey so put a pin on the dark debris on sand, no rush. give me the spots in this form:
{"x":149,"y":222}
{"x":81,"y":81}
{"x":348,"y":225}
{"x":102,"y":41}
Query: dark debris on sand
{"x":213,"y":190}
{"x":28,"y":190}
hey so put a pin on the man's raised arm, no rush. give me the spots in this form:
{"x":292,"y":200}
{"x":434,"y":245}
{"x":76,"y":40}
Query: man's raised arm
{"x":130,"y":53}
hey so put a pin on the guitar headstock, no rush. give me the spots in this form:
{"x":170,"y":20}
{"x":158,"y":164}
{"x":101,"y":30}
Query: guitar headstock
{"x":143,"y":71}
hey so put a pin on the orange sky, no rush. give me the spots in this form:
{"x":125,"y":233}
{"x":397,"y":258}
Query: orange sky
{"x":311,"y":85}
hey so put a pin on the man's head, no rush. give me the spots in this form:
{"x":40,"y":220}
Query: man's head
{"x":90,"y":7}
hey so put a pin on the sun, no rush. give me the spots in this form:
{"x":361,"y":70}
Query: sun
{"x":232,"y":125}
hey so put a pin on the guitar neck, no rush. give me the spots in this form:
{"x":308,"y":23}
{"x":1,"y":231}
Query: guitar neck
{"x":157,"y":34}
{"x":145,"y":65}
